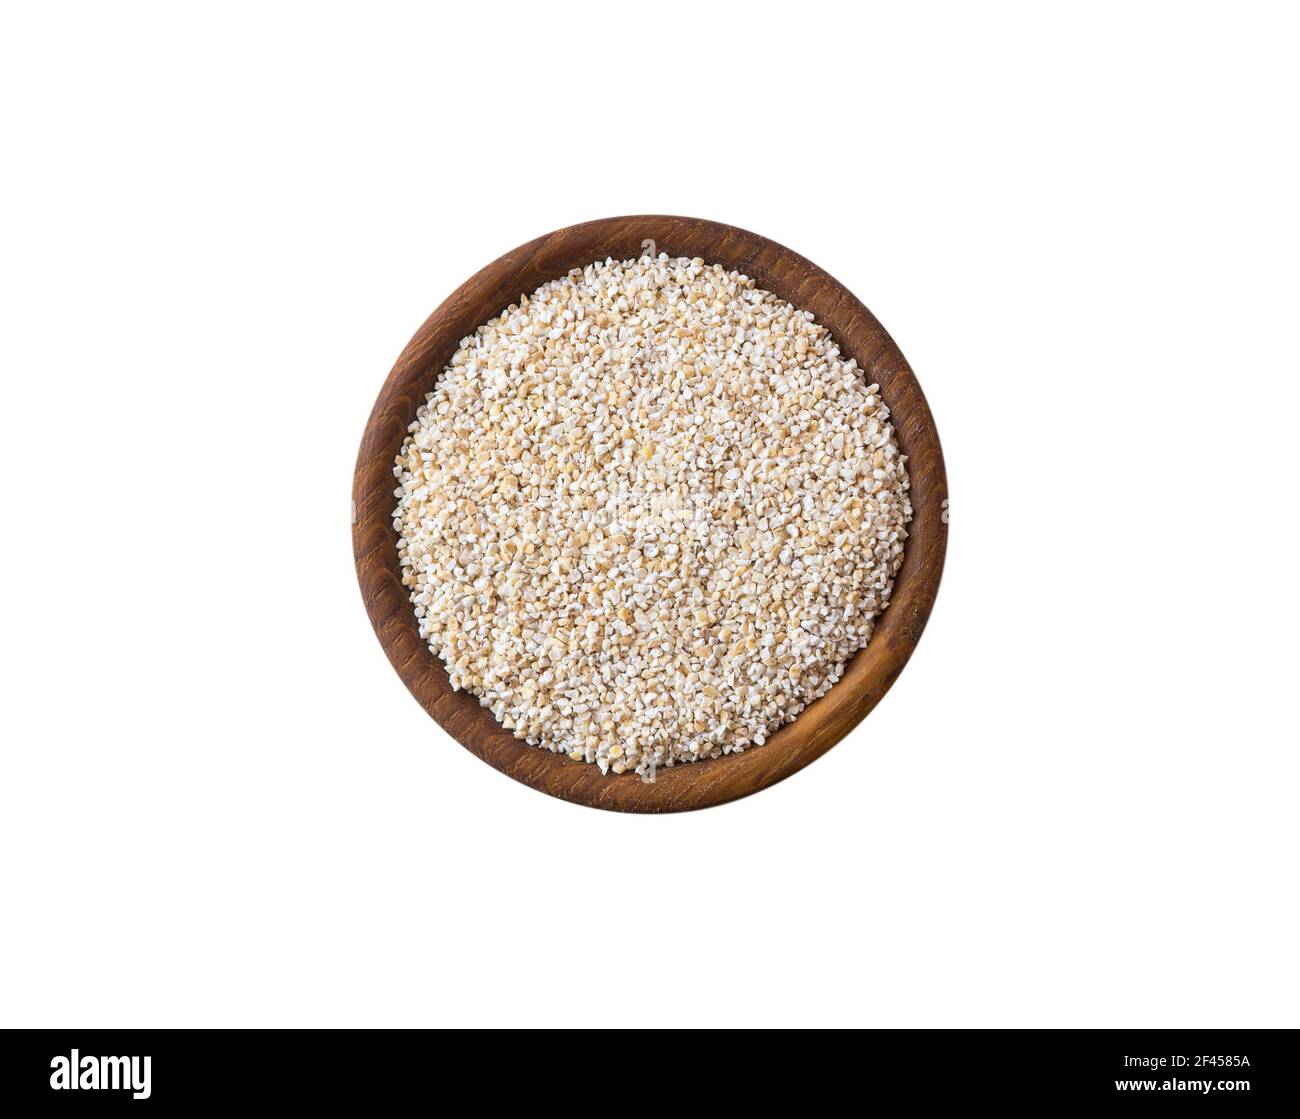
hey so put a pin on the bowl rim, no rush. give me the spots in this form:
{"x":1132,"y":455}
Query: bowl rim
{"x":868,"y":674}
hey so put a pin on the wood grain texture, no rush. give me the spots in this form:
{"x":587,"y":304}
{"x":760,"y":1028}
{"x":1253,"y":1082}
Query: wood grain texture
{"x":868,"y":675}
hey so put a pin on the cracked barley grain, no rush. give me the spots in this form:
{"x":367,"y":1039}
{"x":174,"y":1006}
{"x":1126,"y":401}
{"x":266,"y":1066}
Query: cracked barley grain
{"x":648,"y":513}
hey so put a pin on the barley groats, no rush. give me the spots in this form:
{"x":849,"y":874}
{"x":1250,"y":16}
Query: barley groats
{"x":648,"y":513}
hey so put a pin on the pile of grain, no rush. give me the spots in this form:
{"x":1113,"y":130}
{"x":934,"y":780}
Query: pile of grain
{"x":648,"y":513}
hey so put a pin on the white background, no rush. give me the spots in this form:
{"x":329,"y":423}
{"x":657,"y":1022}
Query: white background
{"x":221,"y":223}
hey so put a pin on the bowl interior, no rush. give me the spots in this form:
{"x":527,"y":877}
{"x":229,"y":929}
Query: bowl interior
{"x":867,"y":676}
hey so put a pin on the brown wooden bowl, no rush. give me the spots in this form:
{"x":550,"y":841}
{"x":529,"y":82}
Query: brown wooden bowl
{"x":868,"y":675}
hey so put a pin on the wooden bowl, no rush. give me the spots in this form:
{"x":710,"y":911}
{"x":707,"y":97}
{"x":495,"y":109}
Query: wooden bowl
{"x":867,"y":676}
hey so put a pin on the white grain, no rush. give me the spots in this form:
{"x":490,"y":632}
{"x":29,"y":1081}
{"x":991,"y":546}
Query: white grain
{"x":648,"y":513}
